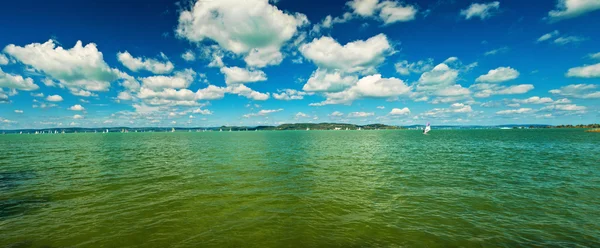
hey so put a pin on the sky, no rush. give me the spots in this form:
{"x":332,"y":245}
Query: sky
{"x":257,"y":62}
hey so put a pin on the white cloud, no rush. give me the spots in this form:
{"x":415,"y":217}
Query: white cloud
{"x":373,"y":86}
{"x":380,"y":107}
{"x":83,"y":93}
{"x":202,"y":111}
{"x":498,"y":75}
{"x":77,"y":107}
{"x":237,"y":75}
{"x":301,"y":115}
{"x":239,"y":26}
{"x":483,"y":90}
{"x":515,"y":111}
{"x":455,"y":110}
{"x":360,"y":114}
{"x":81,"y":67}
{"x":452,"y":91}
{"x":3,"y":59}
{"x":534,"y":100}
{"x":180,"y":80}
{"x":243,"y":90}
{"x":336,"y":114}
{"x":78,"y":117}
{"x":12,"y":81}
{"x":388,"y":11}
{"x":289,"y":94}
{"x":568,"y":39}
{"x":584,"y":91}
{"x":263,"y":112}
{"x":406,"y":68}
{"x":356,"y":56}
{"x":439,"y":77}
{"x":548,"y":36}
{"x":18,"y":111}
{"x":125,"y":96}
{"x":401,"y":112}
{"x":211,"y":92}
{"x":481,"y":10}
{"x":594,"y":55}
{"x":188,"y":56}
{"x":565,"y":107}
{"x":363,"y":7}
{"x":590,"y":71}
{"x":54,"y":98}
{"x":263,"y":57}
{"x":572,"y":8}
{"x":152,"y":65}
{"x":323,"y":80}
{"x":391,"y":12}
{"x":496,"y":51}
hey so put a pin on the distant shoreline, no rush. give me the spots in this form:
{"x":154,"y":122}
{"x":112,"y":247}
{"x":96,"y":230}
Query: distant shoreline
{"x":294,"y":126}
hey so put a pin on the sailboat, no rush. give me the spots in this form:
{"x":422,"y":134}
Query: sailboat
{"x":427,"y":129}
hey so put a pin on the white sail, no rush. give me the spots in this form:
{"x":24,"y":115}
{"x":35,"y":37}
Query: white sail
{"x":427,"y":129}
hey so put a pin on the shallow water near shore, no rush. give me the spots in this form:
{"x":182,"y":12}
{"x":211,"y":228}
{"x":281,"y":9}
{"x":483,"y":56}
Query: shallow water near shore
{"x":388,"y":188}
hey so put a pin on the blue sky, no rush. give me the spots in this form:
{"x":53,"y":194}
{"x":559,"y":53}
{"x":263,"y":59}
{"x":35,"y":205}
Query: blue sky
{"x":259,"y":62}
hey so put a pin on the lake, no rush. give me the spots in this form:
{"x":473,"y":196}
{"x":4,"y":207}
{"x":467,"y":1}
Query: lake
{"x":387,"y":188}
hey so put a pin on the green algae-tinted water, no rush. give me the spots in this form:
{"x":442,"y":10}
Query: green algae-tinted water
{"x":471,"y":188}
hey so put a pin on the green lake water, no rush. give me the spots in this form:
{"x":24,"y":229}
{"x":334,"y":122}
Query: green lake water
{"x":397,"y":188}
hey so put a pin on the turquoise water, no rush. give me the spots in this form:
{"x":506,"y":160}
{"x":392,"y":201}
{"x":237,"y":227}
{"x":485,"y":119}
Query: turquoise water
{"x":469,"y":188}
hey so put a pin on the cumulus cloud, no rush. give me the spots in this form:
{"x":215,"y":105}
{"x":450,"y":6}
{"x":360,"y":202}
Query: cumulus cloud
{"x":566,"y":9}
{"x":263,"y":112}
{"x":356,"y":56}
{"x":179,"y":80}
{"x":486,"y":90}
{"x":323,"y":80}
{"x":336,"y":114}
{"x":455,"y":110}
{"x":290,"y":94}
{"x":439,"y":77}
{"x":18,"y":111}
{"x":589,"y":71}
{"x":392,"y":11}
{"x":400,"y":112}
{"x":3,"y":59}
{"x":565,"y":107}
{"x":481,"y":10}
{"x":534,"y":100}
{"x":148,"y":64}
{"x":202,"y":111}
{"x":594,"y":55}
{"x":80,"y":67}
{"x":387,"y":12}
{"x":227,"y":22}
{"x":406,"y":68}
{"x":360,"y":114}
{"x":78,"y":117}
{"x":125,"y":96}
{"x":188,"y":56}
{"x":363,"y":7}
{"x":301,"y":115}
{"x":498,"y":75}
{"x":236,"y":75}
{"x":515,"y":111}
{"x":584,"y":91}
{"x":54,"y":98}
{"x":16,"y":82}
{"x":77,"y":107}
{"x":243,"y":90}
{"x":373,"y":86}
